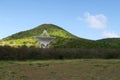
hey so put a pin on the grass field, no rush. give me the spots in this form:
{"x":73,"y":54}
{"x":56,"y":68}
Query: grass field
{"x":80,"y":69}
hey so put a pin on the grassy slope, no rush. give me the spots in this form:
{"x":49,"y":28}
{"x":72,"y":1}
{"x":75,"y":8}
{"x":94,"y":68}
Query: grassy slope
{"x":110,"y":42}
{"x":84,"y":69}
{"x":63,"y":38}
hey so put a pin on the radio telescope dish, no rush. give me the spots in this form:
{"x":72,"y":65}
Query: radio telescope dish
{"x":44,"y":39}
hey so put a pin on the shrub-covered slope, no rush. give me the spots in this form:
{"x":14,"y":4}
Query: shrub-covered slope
{"x":63,"y":38}
{"x":110,"y":42}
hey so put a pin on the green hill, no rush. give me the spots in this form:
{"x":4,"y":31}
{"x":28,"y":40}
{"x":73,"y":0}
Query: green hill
{"x":63,"y":39}
{"x":110,"y":42}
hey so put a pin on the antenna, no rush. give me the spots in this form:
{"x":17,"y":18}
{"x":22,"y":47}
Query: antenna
{"x":45,"y":34}
{"x":44,"y":39}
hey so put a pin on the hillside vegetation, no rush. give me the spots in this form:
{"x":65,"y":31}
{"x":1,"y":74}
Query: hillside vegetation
{"x":63,"y":39}
{"x":32,"y":53}
{"x":110,"y":42}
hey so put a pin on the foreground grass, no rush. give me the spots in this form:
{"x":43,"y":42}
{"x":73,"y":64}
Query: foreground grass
{"x":80,"y":69}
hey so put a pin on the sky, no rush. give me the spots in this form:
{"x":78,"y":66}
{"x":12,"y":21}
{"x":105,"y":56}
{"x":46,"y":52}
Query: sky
{"x":90,"y":19}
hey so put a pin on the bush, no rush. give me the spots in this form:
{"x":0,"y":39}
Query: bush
{"x":32,"y":53}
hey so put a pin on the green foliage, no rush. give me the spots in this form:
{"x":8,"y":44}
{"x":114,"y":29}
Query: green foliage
{"x":63,"y":39}
{"x":53,"y":30}
{"x":32,"y":53}
{"x":110,"y":42}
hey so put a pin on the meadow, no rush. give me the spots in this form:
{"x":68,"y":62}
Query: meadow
{"x":73,"y":69}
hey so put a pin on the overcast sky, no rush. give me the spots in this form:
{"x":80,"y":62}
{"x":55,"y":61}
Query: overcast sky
{"x":91,"y":19}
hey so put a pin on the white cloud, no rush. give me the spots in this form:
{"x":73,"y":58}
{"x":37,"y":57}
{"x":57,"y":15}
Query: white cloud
{"x":98,"y":21}
{"x":95,"y":21}
{"x":110,"y":35}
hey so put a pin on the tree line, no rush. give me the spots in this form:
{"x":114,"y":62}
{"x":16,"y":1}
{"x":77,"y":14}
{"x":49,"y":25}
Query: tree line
{"x":32,"y":53}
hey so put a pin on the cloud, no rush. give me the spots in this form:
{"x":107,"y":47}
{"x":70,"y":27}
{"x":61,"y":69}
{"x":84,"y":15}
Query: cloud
{"x":110,"y":35}
{"x":98,"y":21}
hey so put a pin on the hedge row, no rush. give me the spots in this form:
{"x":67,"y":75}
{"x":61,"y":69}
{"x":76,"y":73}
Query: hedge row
{"x":25,"y":53}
